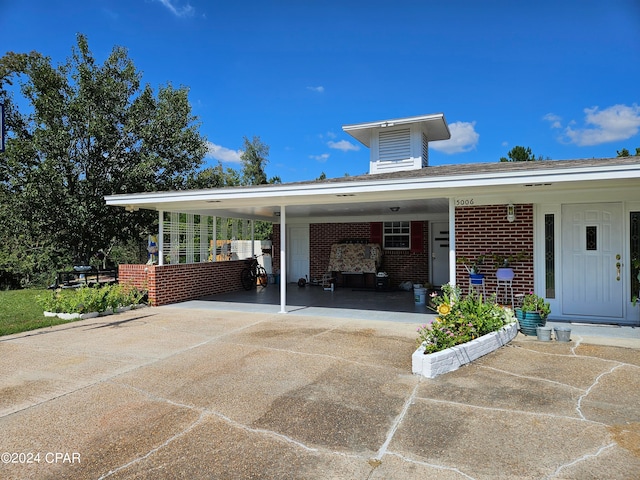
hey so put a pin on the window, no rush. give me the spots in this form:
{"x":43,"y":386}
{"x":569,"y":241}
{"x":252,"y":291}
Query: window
{"x":396,"y":235}
{"x":634,"y":247}
{"x":549,"y":256}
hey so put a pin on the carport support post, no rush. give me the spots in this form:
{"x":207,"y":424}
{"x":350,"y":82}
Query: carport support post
{"x":452,"y":241}
{"x":283,"y":263}
{"x":160,"y":237}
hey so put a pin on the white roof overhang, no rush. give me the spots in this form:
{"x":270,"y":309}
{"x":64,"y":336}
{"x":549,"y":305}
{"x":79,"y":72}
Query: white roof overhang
{"x":416,"y":193}
{"x":434,"y":127}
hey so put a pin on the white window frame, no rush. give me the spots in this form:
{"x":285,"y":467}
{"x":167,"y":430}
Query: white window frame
{"x":396,"y":229}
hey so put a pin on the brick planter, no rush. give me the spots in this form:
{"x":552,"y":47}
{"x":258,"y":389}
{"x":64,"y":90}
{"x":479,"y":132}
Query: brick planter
{"x":451,"y":359}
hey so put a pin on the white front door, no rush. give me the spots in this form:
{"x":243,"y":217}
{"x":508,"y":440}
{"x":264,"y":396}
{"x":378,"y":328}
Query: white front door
{"x":439,"y":233}
{"x":592,"y":280}
{"x":298,"y":253}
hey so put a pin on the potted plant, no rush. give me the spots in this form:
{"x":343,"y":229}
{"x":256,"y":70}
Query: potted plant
{"x":473,"y":267}
{"x":533,"y":313}
{"x":502,"y":262}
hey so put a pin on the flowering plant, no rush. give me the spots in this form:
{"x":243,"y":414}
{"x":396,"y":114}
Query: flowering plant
{"x":533,"y":303}
{"x":461,"y":319}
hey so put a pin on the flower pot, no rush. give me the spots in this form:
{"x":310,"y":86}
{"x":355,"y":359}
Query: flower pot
{"x":563,"y":334}
{"x":476,"y":278}
{"x":544,"y":334}
{"x":529,"y":321}
{"x":505,"y":274}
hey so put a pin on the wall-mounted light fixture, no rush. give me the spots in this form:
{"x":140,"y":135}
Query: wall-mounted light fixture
{"x":131,"y":208}
{"x":277,"y":214}
{"x":511,"y":212}
{"x":394,"y":209}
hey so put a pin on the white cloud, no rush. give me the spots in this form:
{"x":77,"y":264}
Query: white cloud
{"x":464,"y":138}
{"x":320,"y":158}
{"x":343,"y":145}
{"x":554,"y":120}
{"x":319,"y":89}
{"x":182,"y":11}
{"x":618,"y":122}
{"x":222,"y":153}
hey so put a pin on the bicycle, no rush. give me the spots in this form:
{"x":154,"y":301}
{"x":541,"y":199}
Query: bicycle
{"x":253,"y":274}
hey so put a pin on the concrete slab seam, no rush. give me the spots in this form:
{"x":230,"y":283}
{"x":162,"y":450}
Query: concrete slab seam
{"x":588,"y":390}
{"x":529,"y":377}
{"x":512,"y":411}
{"x":578,"y":342}
{"x":431,"y":465}
{"x":581,"y":459}
{"x":155,"y":449}
{"x":396,"y":423}
{"x":206,"y":411}
{"x":550,"y":354}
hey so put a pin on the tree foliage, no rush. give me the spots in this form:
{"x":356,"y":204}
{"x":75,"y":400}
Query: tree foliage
{"x":625,"y":153}
{"x":519,"y":154}
{"x":89,"y":130}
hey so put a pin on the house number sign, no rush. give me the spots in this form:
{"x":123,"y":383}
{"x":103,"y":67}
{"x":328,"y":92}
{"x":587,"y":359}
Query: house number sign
{"x":465,"y":202}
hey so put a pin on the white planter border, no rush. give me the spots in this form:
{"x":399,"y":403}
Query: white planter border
{"x":434,"y":364}
{"x":84,"y":316}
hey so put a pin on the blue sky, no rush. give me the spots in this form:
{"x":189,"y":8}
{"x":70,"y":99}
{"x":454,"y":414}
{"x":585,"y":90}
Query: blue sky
{"x":561,"y":77}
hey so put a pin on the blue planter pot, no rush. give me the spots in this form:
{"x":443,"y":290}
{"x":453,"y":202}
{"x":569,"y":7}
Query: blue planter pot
{"x":476,"y":278}
{"x":529,"y":322}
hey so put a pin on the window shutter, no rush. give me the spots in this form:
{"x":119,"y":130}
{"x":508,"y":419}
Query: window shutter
{"x":375,"y":232}
{"x":417,"y":237}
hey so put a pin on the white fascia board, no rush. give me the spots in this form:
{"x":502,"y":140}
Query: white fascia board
{"x":295,"y":193}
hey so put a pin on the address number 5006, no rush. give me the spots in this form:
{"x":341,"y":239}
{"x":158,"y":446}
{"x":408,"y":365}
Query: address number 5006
{"x":464,"y":202}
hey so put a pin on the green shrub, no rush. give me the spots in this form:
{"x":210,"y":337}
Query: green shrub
{"x":461,"y":319}
{"x":90,"y":299}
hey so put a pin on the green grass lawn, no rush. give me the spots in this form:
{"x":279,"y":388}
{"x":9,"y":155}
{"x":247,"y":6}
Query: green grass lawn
{"x":19,"y":311}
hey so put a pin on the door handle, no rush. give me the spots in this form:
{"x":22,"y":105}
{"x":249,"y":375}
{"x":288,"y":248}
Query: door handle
{"x":618,"y":271}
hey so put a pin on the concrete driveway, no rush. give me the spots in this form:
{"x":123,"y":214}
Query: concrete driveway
{"x":187,"y":393}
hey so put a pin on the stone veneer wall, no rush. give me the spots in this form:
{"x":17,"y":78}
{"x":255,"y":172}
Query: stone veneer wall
{"x":485,"y":229}
{"x":177,"y":283}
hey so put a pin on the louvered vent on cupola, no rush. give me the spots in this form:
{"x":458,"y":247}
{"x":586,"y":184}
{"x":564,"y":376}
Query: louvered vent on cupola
{"x":398,"y":149}
{"x":395,"y":145}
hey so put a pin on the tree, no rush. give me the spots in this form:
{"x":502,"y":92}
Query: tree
{"x":519,"y":154}
{"x":625,"y":153}
{"x":254,"y":160}
{"x":90,"y":131}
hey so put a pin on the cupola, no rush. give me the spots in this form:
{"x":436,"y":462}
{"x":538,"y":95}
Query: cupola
{"x":400,"y":144}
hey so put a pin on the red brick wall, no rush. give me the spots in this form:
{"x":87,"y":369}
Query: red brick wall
{"x":486,"y":229}
{"x":177,"y":283}
{"x":401,"y":265}
{"x":323,"y":235}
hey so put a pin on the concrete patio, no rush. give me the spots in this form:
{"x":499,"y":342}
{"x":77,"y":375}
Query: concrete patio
{"x":203,"y":393}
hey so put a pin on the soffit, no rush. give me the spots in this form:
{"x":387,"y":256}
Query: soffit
{"x":423,"y":192}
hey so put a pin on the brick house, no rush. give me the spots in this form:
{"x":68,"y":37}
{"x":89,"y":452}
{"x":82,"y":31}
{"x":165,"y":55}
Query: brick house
{"x":572,"y":226}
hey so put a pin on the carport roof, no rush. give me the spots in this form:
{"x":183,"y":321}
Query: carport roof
{"x":426,"y":190}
